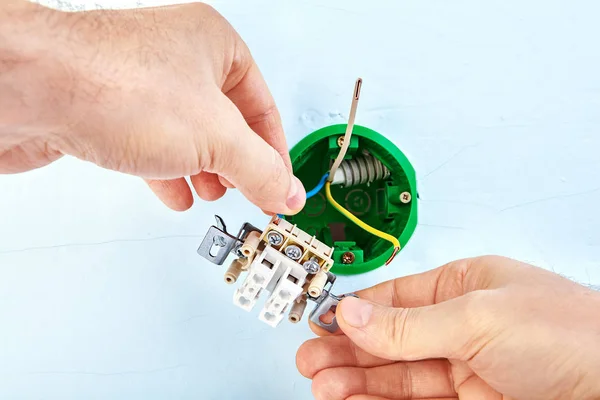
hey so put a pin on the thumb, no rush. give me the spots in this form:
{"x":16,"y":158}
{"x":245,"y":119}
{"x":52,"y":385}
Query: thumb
{"x":443,"y":330}
{"x":256,"y":169}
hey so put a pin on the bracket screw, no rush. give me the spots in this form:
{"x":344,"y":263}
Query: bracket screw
{"x":405,"y":197}
{"x":348,"y":257}
{"x":340,"y":141}
{"x":219,"y":241}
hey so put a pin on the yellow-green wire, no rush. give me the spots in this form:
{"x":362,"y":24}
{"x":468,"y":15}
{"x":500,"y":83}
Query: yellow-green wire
{"x":360,"y":223}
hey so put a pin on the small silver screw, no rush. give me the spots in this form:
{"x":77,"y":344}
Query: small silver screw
{"x":312,"y":266}
{"x":294,"y":252}
{"x":274,"y":238}
{"x":405,"y":197}
{"x":219,"y":241}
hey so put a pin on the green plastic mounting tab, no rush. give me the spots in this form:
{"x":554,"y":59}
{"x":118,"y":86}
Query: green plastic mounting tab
{"x":335,"y":144}
{"x":388,"y":204}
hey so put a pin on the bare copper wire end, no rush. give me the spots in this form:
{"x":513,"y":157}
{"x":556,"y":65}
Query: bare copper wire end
{"x":396,"y":250}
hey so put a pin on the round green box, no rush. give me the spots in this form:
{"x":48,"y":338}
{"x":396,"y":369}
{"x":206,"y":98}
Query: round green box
{"x":389,"y":205}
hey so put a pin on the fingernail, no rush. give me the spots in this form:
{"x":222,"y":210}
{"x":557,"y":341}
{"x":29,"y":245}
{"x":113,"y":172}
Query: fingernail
{"x":356,"y":312}
{"x":296,"y":195}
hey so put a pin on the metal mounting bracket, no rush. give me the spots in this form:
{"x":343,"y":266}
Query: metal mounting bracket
{"x":327,"y":301}
{"x":218,"y":243}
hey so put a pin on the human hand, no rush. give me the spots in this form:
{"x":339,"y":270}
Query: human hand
{"x":475,"y":329}
{"x":161,"y":93}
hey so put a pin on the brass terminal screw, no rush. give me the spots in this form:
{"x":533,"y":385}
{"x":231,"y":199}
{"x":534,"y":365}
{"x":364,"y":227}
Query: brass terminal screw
{"x":340,"y":141}
{"x":405,"y":197}
{"x":348,"y":257}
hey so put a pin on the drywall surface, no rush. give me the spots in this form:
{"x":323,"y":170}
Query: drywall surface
{"x":496,"y":103}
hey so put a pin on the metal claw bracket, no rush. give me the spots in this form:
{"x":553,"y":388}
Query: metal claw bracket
{"x":218,"y":243}
{"x":327,"y":301}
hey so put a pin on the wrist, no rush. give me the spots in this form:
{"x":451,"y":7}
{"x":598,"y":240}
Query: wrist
{"x":33,"y":78}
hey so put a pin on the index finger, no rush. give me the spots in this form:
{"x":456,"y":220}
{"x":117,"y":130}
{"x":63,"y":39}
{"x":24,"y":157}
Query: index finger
{"x":252,"y":97}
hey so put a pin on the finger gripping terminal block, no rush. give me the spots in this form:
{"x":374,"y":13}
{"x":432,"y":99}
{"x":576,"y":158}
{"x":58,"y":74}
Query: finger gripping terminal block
{"x":284,"y":261}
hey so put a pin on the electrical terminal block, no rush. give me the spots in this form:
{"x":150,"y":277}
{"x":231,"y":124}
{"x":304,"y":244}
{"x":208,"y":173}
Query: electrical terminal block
{"x":285,"y":261}
{"x":298,"y":245}
{"x":287,"y":290}
{"x":261,"y":273}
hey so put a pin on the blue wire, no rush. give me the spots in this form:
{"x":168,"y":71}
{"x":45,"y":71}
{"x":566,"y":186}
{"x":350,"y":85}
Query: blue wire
{"x":316,"y":190}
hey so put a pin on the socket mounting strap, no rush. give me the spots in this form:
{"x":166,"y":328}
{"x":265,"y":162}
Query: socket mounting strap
{"x":327,"y":301}
{"x":218,"y":243}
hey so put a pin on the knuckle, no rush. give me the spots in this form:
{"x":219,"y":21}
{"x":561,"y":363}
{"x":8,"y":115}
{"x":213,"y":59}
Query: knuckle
{"x":323,"y":386}
{"x":273,"y":187}
{"x":217,"y":151}
{"x":451,"y":280}
{"x":333,"y":384}
{"x":279,"y":173}
{"x":214,"y":157}
{"x":405,"y":379}
{"x":268,"y":113}
{"x":397,"y":329}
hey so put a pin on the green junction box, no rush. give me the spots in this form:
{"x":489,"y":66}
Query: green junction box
{"x":388,"y":203}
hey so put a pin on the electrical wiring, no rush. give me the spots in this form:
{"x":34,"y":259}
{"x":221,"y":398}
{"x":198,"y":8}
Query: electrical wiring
{"x":349,"y":127}
{"x":329,"y":176}
{"x":386,"y":236}
{"x":362,"y":224}
{"x":317,"y":188}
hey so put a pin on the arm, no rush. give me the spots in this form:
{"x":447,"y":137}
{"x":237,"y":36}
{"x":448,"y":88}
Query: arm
{"x":161,"y":93}
{"x":28,"y":70}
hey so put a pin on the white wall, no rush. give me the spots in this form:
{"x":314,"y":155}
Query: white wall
{"x":102,"y":295}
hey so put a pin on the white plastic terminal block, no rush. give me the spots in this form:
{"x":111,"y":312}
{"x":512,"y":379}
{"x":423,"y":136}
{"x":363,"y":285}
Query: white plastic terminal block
{"x":261,"y":273}
{"x":286,"y":262}
{"x":283,"y":260}
{"x":274,"y":272}
{"x":285,"y":294}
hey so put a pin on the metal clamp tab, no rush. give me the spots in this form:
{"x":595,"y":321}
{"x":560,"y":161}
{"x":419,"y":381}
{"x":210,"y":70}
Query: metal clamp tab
{"x":326,"y":302}
{"x":218,"y":243}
